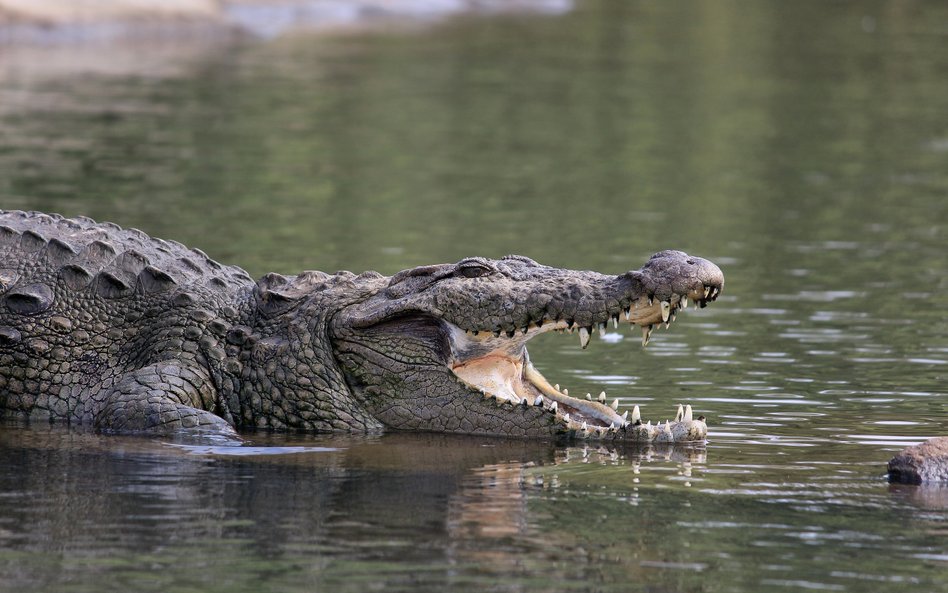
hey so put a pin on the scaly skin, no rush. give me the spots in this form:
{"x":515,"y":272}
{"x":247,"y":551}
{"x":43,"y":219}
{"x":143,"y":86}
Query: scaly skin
{"x":110,"y":328}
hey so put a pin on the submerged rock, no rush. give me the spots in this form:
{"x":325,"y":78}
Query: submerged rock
{"x":923,"y":463}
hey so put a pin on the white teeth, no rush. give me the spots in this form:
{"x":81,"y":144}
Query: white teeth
{"x":602,"y":397}
{"x":553,"y":407}
{"x":636,"y":415}
{"x":556,"y":387}
{"x":585,"y":426}
{"x":628,"y":314}
{"x":666,"y":310}
{"x":538,"y":401}
{"x":615,"y":323}
{"x":683,"y":303}
{"x":625,"y":415}
{"x":707,"y":291}
{"x":646,"y":334}
{"x":565,"y":391}
{"x":583,"y":337}
{"x":688,"y":414}
{"x":680,"y":413}
{"x":615,"y":404}
{"x":589,"y":396}
{"x":566,"y":418}
{"x":649,"y":301}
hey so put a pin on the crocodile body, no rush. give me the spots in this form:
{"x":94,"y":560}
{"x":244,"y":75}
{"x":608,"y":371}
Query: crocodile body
{"x":110,"y":328}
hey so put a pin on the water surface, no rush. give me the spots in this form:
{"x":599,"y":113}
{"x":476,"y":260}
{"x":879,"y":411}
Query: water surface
{"x":802,"y":146}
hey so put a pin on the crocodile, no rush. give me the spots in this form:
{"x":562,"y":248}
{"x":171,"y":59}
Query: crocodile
{"x":109,"y":328}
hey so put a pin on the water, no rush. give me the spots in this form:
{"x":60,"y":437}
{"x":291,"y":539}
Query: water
{"x":802,"y":146}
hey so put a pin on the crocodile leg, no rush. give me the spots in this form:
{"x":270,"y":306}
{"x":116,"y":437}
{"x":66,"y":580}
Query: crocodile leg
{"x":162,"y":397}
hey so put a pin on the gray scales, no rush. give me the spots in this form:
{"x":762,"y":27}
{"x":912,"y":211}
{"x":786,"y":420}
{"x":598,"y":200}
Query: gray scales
{"x":109,"y":328}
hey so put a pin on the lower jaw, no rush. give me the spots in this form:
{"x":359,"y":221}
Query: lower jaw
{"x":508,"y":376}
{"x":515,"y":380}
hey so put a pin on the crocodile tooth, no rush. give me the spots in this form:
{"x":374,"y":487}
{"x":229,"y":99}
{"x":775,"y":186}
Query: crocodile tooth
{"x":636,"y":415}
{"x":683,"y":303}
{"x":688,"y":413}
{"x":615,"y":404}
{"x":648,"y":424}
{"x":556,"y":387}
{"x":673,"y":317}
{"x":538,"y":401}
{"x":589,"y":396}
{"x":646,"y":334}
{"x":628,"y":314}
{"x":553,"y":407}
{"x":585,"y":426}
{"x":566,"y":418}
{"x":680,"y":414}
{"x":666,"y":325}
{"x":625,"y":415}
{"x":615,"y":322}
{"x":583,"y":337}
{"x":602,"y":397}
{"x":666,"y":310}
{"x":565,"y":391}
{"x":602,"y":329}
{"x":707,"y":291}
{"x":612,"y":426}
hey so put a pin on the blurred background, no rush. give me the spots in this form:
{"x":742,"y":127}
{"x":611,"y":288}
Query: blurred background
{"x":802,"y":146}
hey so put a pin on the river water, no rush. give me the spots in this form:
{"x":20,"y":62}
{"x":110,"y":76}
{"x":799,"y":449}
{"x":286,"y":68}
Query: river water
{"x":802,"y":146}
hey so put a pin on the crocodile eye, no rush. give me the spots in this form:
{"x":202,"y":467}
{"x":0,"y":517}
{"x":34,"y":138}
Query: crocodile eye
{"x":473,"y":271}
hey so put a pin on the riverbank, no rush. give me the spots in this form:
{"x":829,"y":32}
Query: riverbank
{"x":71,"y":21}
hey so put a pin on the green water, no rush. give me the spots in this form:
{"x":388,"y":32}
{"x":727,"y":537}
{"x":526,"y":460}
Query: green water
{"x":802,"y":146}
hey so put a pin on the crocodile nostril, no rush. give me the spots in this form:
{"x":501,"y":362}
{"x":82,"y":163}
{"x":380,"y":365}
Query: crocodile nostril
{"x":691,"y":262}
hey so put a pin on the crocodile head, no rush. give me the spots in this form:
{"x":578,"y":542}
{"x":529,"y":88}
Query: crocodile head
{"x":444,"y":347}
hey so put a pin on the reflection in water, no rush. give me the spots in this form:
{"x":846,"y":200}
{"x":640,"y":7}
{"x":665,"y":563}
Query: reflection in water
{"x":329,"y":509}
{"x":799,"y":148}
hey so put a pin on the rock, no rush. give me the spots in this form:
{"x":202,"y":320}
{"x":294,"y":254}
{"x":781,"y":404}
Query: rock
{"x":925,"y":463}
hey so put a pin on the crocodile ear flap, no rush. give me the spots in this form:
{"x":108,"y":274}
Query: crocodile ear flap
{"x":277,"y":294}
{"x":271,"y":296}
{"x":272,"y":302}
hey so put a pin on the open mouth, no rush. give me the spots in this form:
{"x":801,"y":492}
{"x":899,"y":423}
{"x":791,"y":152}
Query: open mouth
{"x":497,"y":364}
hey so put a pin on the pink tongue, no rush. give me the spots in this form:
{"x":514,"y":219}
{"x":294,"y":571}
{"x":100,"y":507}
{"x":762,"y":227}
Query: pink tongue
{"x":495,"y":374}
